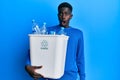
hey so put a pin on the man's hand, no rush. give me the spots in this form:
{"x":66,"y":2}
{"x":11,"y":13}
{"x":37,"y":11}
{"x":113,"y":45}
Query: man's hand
{"x":31,"y":71}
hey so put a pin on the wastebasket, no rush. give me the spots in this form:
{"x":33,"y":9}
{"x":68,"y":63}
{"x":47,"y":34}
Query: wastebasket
{"x":50,"y":52}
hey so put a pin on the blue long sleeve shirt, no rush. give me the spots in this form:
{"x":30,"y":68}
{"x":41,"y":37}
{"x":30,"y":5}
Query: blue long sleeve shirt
{"x":74,"y":64}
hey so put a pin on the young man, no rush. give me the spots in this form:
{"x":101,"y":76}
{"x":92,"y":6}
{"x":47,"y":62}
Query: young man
{"x":74,"y":64}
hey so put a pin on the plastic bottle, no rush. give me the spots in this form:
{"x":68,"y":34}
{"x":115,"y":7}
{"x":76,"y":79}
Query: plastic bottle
{"x":52,"y":32}
{"x":43,"y":29}
{"x":35,"y":27}
{"x":62,"y":32}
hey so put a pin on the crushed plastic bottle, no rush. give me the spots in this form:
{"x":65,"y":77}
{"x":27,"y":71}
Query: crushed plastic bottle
{"x":35,"y":27}
{"x":52,"y":33}
{"x":43,"y":29}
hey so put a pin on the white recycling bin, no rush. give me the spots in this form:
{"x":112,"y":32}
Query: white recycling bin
{"x":48,"y":51}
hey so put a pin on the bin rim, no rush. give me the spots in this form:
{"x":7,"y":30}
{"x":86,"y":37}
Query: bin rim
{"x":48,"y":35}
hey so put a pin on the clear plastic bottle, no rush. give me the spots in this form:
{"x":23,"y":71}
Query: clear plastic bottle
{"x":52,"y":32}
{"x":62,"y":32}
{"x":43,"y":29}
{"x":35,"y":27}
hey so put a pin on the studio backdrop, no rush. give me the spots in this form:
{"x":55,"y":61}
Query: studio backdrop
{"x":98,"y":19}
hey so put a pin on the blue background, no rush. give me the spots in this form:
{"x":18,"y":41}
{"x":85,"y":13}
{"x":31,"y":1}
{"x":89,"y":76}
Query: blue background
{"x":98,"y":19}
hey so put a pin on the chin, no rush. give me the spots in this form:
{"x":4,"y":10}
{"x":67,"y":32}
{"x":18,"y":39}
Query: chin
{"x":64,"y":25}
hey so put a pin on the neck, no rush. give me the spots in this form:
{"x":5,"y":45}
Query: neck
{"x":66,"y":26}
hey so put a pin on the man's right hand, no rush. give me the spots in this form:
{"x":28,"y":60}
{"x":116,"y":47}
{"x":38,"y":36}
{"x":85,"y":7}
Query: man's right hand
{"x":31,"y":71}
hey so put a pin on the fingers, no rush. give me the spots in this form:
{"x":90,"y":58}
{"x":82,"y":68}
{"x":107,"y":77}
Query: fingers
{"x":36,"y":75}
{"x":39,"y":75}
{"x":37,"y":67}
{"x":31,"y":71}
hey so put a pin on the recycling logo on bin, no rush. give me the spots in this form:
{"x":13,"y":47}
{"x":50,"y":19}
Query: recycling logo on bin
{"x":44,"y":45}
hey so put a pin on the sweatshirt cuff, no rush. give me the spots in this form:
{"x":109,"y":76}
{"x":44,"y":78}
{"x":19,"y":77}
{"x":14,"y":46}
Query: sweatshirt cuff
{"x":82,"y":76}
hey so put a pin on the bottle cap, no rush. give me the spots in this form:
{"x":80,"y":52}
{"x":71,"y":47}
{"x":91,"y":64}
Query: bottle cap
{"x":33,"y":21}
{"x":62,"y":28}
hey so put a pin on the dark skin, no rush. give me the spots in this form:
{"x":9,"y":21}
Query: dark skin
{"x":64,"y":16}
{"x":32,"y":73}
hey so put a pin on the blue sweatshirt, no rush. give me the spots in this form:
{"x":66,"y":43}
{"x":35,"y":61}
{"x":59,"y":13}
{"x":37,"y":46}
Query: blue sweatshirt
{"x":74,"y":64}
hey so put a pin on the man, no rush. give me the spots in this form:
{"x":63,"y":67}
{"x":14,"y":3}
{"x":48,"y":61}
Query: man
{"x":74,"y":64}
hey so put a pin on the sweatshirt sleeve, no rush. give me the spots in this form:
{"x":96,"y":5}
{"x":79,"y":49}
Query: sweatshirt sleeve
{"x":28,"y":58}
{"x":80,"y":57}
